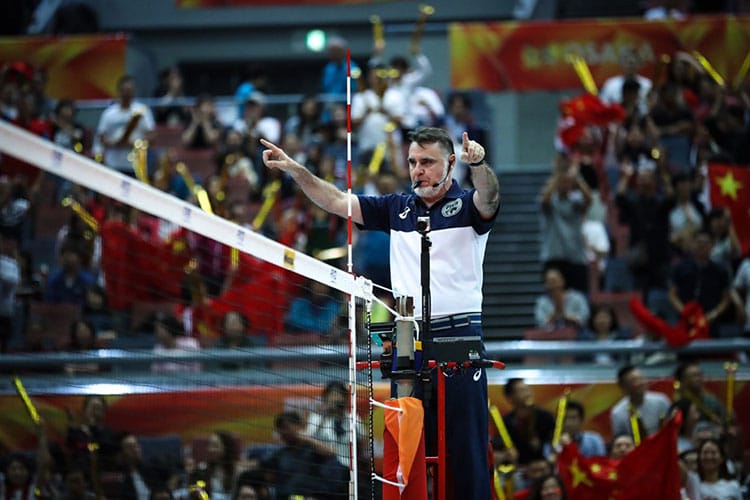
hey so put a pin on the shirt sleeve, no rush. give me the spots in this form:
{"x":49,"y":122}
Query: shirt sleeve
{"x":376,"y":211}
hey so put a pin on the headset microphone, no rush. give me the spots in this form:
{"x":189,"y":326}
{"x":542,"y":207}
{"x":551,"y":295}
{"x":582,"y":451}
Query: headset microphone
{"x":445,"y":177}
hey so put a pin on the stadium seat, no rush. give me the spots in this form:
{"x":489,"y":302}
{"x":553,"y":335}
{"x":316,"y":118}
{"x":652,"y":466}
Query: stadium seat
{"x":547,"y":334}
{"x":200,"y":162}
{"x":55,"y":320}
{"x":167,"y":136}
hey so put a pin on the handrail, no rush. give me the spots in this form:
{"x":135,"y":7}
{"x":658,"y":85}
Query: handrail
{"x":501,"y":350}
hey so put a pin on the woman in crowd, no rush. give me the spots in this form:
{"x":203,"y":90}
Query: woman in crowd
{"x":549,"y":488}
{"x":221,"y":467}
{"x":715,"y":481}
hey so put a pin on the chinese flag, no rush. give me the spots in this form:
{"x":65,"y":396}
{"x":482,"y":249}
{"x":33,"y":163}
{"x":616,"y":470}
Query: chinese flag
{"x":651,"y":470}
{"x":403,"y":451}
{"x":584,"y":478}
{"x":729,"y":186}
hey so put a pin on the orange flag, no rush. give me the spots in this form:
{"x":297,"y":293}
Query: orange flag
{"x":403,"y":451}
{"x":729,"y":186}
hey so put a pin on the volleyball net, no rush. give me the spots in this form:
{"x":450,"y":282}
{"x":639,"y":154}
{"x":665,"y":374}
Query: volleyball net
{"x":226,"y":329}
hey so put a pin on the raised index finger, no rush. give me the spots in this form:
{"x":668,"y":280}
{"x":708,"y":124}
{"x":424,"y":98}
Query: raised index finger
{"x":273,"y":147}
{"x":465,"y":138}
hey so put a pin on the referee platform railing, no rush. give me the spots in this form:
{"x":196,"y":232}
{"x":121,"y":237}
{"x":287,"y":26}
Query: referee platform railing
{"x":131,"y":368}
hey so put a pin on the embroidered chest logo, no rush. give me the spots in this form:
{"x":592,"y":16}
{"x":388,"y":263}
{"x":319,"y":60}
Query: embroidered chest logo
{"x":403,"y":214}
{"x":452,"y":208}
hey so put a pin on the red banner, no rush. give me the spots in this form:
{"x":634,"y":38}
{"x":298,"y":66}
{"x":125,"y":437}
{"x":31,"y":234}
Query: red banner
{"x":78,"y":67}
{"x":730,"y":188}
{"x":196,"y":413}
{"x":534,"y":56}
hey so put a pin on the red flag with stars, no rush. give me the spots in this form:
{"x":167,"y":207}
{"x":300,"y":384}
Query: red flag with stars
{"x":649,"y":472}
{"x":593,"y":478}
{"x":729,"y":186}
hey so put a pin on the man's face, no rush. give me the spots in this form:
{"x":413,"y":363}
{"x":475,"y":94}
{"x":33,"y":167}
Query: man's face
{"x":522,"y":395}
{"x":573,"y":422}
{"x":633,"y":384}
{"x":127,"y":89}
{"x":428,"y":165}
{"x":692,"y":378}
{"x":622,"y":446}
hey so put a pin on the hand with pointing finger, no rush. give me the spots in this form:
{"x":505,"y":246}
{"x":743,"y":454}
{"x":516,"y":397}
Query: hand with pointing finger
{"x":275,"y":157}
{"x":471,"y":152}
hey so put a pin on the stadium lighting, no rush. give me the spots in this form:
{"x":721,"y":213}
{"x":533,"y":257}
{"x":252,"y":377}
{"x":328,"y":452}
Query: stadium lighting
{"x":315,"y":40}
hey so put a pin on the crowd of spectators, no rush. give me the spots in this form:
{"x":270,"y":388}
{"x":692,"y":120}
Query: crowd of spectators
{"x":626,"y":209}
{"x":638,"y":180}
{"x":711,"y":463}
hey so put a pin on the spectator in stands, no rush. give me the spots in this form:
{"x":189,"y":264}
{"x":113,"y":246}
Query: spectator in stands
{"x":235,"y":332}
{"x":621,"y":446}
{"x":168,"y":179}
{"x":690,"y":385}
{"x":726,"y":249}
{"x":645,"y":407}
{"x":715,"y":480}
{"x":66,"y":130}
{"x":307,"y":122}
{"x":203,"y":128}
{"x":171,"y":338}
{"x":20,"y":479}
{"x":255,"y":124}
{"x":728,"y":127}
{"x":742,"y":289}
{"x":221,"y":467}
{"x":10,"y":277}
{"x":90,"y":427}
{"x":666,"y":9}
{"x":675,"y":126}
{"x":236,"y":162}
{"x":459,"y":118}
{"x":314,"y":311}
{"x":613,"y":88}
{"x":170,"y":91}
{"x":77,"y":486}
{"x":423,"y":106}
{"x":76,"y":233}
{"x":549,"y":488}
{"x":604,"y":325}
{"x":82,"y":338}
{"x":646,"y":212}
{"x":300,"y":467}
{"x":376,"y":114}
{"x":686,"y":216}
{"x":527,"y":478}
{"x":9,"y":93}
{"x":334,"y":76}
{"x":697,"y":278}
{"x":690,"y":417}
{"x":590,"y":443}
{"x":14,"y":207}
{"x":96,"y":311}
{"x":120,"y":125}
{"x":68,"y":284}
{"x":530,"y":427}
{"x":560,"y":307}
{"x":136,"y":478}
{"x":330,"y":423}
{"x":565,"y":200}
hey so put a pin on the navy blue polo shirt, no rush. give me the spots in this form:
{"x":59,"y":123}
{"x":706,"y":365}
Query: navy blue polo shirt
{"x":459,"y":239}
